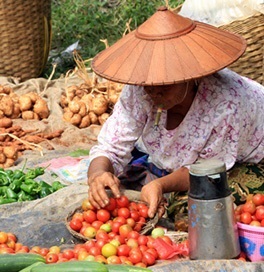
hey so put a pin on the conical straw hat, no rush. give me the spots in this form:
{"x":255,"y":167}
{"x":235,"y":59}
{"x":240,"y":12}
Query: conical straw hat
{"x":166,"y":49}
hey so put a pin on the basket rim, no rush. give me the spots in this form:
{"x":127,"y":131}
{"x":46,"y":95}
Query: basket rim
{"x":253,"y":229}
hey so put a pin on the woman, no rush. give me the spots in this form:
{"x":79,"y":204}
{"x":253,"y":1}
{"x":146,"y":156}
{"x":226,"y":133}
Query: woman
{"x":169,"y":65}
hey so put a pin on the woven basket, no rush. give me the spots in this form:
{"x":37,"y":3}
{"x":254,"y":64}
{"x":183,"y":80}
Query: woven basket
{"x":25,"y":37}
{"x":251,"y":64}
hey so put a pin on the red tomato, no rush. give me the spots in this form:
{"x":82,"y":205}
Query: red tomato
{"x":245,"y":218}
{"x":262,"y":223}
{"x":144,"y":212}
{"x":135,"y":255}
{"x":124,"y":230}
{"x":68,"y":254}
{"x":78,"y":215}
{"x":260,"y":213}
{"x":89,"y":232}
{"x":122,"y":201}
{"x":123,"y":212}
{"x":115,"y":227}
{"x":52,"y":258}
{"x":113,"y":260}
{"x":258,"y":199}
{"x":133,"y":234}
{"x":134,"y":215}
{"x":97,"y":224}
{"x":133,"y":206}
{"x":123,"y":250}
{"x":141,"y":264}
{"x":148,"y":258}
{"x":43,"y":251}
{"x":142,"y":240}
{"x":101,"y":234}
{"x":86,"y":205}
{"x":100,"y":243}
{"x":255,"y":223}
{"x":88,"y":244}
{"x":143,"y":248}
{"x":167,"y":239}
{"x":154,"y":252}
{"x":249,"y":206}
{"x":103,"y":215}
{"x":132,"y":243}
{"x":111,"y":205}
{"x":89,"y":216}
{"x":75,"y":224}
{"x":95,"y":251}
{"x":120,"y":219}
{"x":3,"y":237}
{"x":131,"y":222}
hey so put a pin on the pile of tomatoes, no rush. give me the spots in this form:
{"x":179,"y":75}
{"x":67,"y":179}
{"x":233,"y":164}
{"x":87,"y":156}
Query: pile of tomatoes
{"x":252,"y":211}
{"x":113,"y":232}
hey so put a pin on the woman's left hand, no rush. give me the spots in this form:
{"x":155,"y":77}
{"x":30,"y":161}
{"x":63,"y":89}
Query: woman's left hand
{"x":152,"y":194}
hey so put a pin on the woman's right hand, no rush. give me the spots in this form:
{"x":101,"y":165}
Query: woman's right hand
{"x":98,"y":182}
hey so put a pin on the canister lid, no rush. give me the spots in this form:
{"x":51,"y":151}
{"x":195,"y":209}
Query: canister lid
{"x":207,"y":167}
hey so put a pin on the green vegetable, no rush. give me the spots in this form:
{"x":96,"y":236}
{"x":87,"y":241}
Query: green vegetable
{"x":125,"y":268}
{"x":72,"y":266}
{"x":10,"y":193}
{"x":28,"y":268}
{"x":7,"y":200}
{"x":17,"y":262}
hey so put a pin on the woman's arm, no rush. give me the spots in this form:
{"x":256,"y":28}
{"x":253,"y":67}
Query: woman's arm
{"x":152,"y":193}
{"x":101,"y":176}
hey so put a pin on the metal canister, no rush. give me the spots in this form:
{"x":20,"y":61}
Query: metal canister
{"x":212,"y":230}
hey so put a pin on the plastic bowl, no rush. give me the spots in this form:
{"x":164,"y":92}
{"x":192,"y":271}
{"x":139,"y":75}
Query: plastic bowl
{"x":251,"y":241}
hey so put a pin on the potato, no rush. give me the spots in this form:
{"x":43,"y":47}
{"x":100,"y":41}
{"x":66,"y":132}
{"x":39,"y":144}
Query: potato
{"x":9,"y":163}
{"x":7,"y":105}
{"x":113,"y":95}
{"x":99,"y":104}
{"x":27,"y":115}
{"x":2,"y":157}
{"x":63,"y":101}
{"x":74,"y":106}
{"x":33,"y":96}
{"x":76,"y":119}
{"x":93,"y":118}
{"x":6,"y":122}
{"x":25,"y":102}
{"x":83,"y":109}
{"x":87,"y":99}
{"x":10,"y":152}
{"x":103,"y":117}
{"x":16,"y":112}
{"x":41,"y":108}
{"x":85,"y":122}
{"x":67,"y":116}
{"x":2,"y":115}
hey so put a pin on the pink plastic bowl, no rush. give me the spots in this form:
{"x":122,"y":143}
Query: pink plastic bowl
{"x":251,"y":241}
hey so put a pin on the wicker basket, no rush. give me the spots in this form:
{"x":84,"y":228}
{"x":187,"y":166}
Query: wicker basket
{"x":25,"y":37}
{"x":251,"y":64}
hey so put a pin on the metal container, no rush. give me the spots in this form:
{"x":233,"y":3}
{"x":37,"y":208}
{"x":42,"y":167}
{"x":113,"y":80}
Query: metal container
{"x":212,"y":230}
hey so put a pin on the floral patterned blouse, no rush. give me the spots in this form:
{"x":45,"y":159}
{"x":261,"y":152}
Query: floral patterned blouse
{"x":225,"y":121}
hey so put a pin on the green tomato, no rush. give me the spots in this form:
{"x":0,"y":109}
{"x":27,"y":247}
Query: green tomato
{"x":157,"y":232}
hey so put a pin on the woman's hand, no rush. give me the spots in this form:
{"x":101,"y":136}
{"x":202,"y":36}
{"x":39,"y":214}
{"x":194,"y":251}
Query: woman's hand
{"x":152,"y":194}
{"x":98,"y":182}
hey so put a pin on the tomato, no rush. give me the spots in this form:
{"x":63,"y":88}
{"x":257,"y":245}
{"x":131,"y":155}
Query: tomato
{"x":95,"y":251}
{"x":43,"y":251}
{"x":245,"y":218}
{"x":111,"y":205}
{"x":78,"y":215}
{"x":133,"y":206}
{"x":120,"y":219}
{"x":134,"y":215}
{"x":123,"y":250}
{"x":113,"y":260}
{"x":88,"y":244}
{"x":262,"y":223}
{"x":75,"y":224}
{"x":154,"y":252}
{"x":89,"y":216}
{"x":35,"y":249}
{"x":132,"y":243}
{"x":101,"y":234}
{"x":100,"y":243}
{"x":116,"y":225}
{"x":150,"y":242}
{"x":133,"y":234}
{"x":115,"y":242}
{"x":106,"y":227}
{"x":131,"y":222}
{"x":142,"y":239}
{"x":100,"y":258}
{"x":258,"y":199}
{"x":260,"y":213}
{"x":124,"y":230}
{"x":6,"y":250}
{"x":120,"y":239}
{"x":3,"y":237}
{"x":11,"y":236}
{"x":167,"y":239}
{"x":144,"y":211}
{"x":249,"y":206}
{"x":68,"y":254}
{"x":148,"y":258}
{"x":103,"y":215}
{"x":142,"y":248}
{"x":97,"y":224}
{"x":122,"y":201}
{"x":125,"y":260}
{"x":135,"y":255}
{"x":157,"y":232}
{"x":52,"y":258}
{"x":141,"y":264}
{"x":89,"y":232}
{"x":255,"y":223}
{"x":86,"y":205}
{"x":123,"y":212}
{"x":82,"y":255}
{"x":108,"y":250}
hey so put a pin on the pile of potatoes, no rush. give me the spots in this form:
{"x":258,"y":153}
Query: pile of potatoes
{"x":85,"y":105}
{"x":27,"y":106}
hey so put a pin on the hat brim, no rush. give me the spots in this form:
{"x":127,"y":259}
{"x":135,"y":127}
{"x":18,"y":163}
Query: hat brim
{"x":200,"y":52}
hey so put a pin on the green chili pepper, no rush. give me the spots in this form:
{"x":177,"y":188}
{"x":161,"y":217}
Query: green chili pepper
{"x":3,"y":191}
{"x":22,"y":196}
{"x":44,"y":184}
{"x":15,"y":185}
{"x":7,"y":200}
{"x":56,"y":185}
{"x":18,"y":174}
{"x":10,"y":193}
{"x":33,"y":173}
{"x":28,"y":188}
{"x":45,"y":192}
{"x":4,"y":178}
{"x":9,"y":173}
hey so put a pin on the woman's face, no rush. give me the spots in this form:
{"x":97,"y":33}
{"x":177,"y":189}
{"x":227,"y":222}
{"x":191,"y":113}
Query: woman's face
{"x":167,"y":96}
